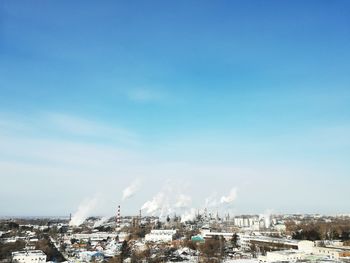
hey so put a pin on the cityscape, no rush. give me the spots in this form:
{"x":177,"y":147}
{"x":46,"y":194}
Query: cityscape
{"x":204,"y":237}
{"x":160,"y":131}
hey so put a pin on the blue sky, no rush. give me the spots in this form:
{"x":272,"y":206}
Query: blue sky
{"x":205,"y":96}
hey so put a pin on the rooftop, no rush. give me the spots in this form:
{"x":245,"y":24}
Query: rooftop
{"x":28,"y":252}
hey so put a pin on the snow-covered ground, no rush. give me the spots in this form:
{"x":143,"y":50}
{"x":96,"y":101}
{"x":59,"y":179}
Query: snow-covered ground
{"x":241,"y":261}
{"x":195,"y":260}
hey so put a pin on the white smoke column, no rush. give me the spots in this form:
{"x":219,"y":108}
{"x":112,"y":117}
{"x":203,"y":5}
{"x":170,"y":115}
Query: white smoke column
{"x":84,"y":210}
{"x":131,"y":189}
{"x":189,"y":215}
{"x":183,"y":201}
{"x":211,"y":201}
{"x":157,"y":203}
{"x":165,"y":211}
{"x":101,"y":221}
{"x":167,"y":202}
{"x":230,"y":198}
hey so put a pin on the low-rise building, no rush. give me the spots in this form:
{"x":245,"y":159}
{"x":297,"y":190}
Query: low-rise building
{"x":225,"y":235}
{"x":306,"y":249}
{"x":98,"y":236}
{"x":29,"y":256}
{"x":331,"y":253}
{"x":88,"y":256}
{"x":306,"y":246}
{"x":273,"y":243}
{"x":160,"y":235}
{"x":291,"y":255}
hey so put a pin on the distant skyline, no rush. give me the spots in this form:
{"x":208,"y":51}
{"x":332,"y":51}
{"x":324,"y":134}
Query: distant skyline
{"x":242,"y":106}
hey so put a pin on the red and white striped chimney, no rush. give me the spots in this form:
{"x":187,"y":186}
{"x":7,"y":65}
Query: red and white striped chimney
{"x":118,"y":217}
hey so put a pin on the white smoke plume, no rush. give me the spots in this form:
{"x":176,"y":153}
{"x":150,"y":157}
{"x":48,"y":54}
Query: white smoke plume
{"x":230,"y":198}
{"x":183,"y":201}
{"x":84,"y":210}
{"x":131,"y":189}
{"x":211,"y":201}
{"x":156,"y":204}
{"x":222,"y":204}
{"x":189,"y":215}
{"x":167,"y":202}
{"x":101,"y":221}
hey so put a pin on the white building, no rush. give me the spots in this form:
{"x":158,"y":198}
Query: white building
{"x":206,"y":233}
{"x":238,"y":221}
{"x":160,"y":235}
{"x":309,"y":247}
{"x":306,"y":246}
{"x":331,"y":253}
{"x":88,"y":256}
{"x":8,"y":240}
{"x":305,"y":249}
{"x":251,"y":222}
{"x":283,"y":256}
{"x":280,"y":227}
{"x":30,"y":256}
{"x":245,"y":241}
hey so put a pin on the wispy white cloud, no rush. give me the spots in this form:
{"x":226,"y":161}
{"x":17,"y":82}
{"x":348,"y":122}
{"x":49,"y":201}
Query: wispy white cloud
{"x":86,"y":127}
{"x":58,"y":125}
{"x":145,"y":95}
{"x":31,"y":153}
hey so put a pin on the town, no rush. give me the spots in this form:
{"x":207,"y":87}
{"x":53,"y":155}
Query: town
{"x":207,"y":237}
{"x":193,"y":131}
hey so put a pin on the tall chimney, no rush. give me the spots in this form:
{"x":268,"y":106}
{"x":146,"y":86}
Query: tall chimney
{"x":118,"y":217}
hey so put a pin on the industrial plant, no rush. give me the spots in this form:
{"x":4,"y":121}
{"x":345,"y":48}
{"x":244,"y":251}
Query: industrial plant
{"x":206,"y":237}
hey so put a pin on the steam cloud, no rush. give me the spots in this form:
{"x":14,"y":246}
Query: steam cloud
{"x":214,"y":201}
{"x":101,"y":221}
{"x":157,"y":203}
{"x":131,"y":190}
{"x":211,"y":201}
{"x":230,"y":198}
{"x":84,"y":210}
{"x":188,"y":215}
{"x":167,"y":202}
{"x":183,"y":201}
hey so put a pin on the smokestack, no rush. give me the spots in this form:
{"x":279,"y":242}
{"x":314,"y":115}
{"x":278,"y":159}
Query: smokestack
{"x":70,"y":217}
{"x":118,"y":217}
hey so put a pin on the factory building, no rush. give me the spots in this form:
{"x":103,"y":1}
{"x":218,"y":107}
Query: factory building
{"x":246,"y":241}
